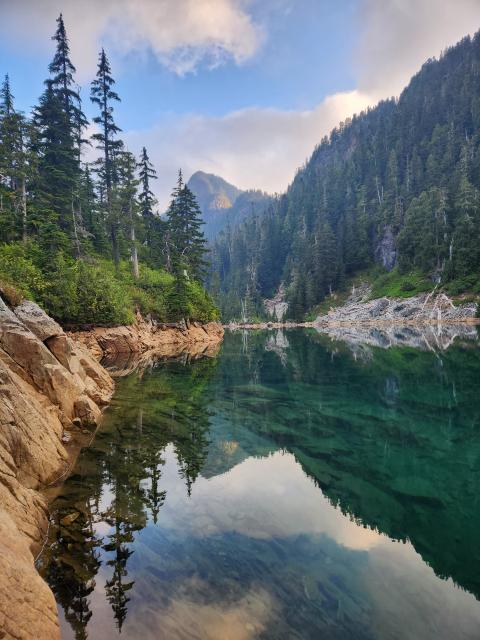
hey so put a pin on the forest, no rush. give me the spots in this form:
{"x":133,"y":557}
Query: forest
{"x":391,"y":194}
{"x":85,"y":240}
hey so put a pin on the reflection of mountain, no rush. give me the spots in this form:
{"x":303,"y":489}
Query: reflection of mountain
{"x":223,"y":204}
{"x":393,"y":440}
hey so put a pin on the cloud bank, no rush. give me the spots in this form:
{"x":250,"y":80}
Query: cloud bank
{"x":182,"y":34}
{"x":252,"y":148}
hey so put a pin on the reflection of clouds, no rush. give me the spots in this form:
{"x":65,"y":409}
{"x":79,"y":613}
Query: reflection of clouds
{"x":260,"y":498}
{"x":189,"y":617}
{"x":404,"y":588}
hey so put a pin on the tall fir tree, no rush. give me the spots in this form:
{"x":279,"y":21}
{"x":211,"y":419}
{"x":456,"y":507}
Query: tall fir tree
{"x":146,"y":196}
{"x":127,"y":195}
{"x":62,"y":81}
{"x":57,"y":174}
{"x":13,"y":167}
{"x":103,"y":95}
{"x":186,"y":238}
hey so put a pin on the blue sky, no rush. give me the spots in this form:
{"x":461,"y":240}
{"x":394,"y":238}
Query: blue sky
{"x":243,"y":88}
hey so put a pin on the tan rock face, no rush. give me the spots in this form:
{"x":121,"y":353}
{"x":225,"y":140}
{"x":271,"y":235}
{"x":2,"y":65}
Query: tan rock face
{"x":46,"y":381}
{"x":147,"y":336}
{"x":35,"y":318}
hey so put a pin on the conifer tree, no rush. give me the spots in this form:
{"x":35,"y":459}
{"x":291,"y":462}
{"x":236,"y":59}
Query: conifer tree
{"x":103,"y":95}
{"x":62,"y":69}
{"x":186,"y":237}
{"x":13,"y":167}
{"x":57,"y":172}
{"x":146,"y":197}
{"x":127,"y":193}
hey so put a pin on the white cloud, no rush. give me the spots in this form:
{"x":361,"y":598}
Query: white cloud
{"x":253,"y":148}
{"x":398,"y":36}
{"x":181,"y":33}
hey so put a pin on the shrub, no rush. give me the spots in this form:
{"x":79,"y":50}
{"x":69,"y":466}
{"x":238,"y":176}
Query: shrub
{"x":18,"y":270}
{"x":407,"y":285}
{"x":11,"y":295}
{"x":101,"y":298}
{"x":92,"y":291}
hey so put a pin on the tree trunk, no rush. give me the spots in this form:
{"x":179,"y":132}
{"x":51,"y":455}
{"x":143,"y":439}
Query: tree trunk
{"x":136,"y":272}
{"x":75,"y":231}
{"x":24,"y":210}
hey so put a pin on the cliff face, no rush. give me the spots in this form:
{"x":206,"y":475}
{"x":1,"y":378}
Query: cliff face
{"x":51,"y":389}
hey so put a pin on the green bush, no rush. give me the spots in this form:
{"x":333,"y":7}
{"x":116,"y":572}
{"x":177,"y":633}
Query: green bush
{"x":101,"y":298}
{"x":460,"y":285}
{"x":407,"y":285}
{"x":396,"y":285}
{"x":92,"y":291}
{"x":17,"y":269}
{"x":203,"y":307}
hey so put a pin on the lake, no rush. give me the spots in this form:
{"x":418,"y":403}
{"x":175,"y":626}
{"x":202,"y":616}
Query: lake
{"x":295,"y":486}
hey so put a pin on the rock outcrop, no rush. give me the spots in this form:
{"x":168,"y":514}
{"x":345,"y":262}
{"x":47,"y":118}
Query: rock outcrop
{"x":146,"y":336}
{"x":277,"y":306}
{"x":423,"y":308}
{"x":50,"y":390}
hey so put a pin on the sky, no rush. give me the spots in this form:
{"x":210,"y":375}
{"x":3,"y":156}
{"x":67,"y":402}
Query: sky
{"x":241,"y":88}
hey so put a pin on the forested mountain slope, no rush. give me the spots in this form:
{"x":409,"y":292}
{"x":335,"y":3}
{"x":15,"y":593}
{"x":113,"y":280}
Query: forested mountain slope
{"x":396,"y":186}
{"x":222,"y":204}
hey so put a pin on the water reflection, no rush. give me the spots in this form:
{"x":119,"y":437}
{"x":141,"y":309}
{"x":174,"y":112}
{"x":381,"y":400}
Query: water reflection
{"x":284,"y":490}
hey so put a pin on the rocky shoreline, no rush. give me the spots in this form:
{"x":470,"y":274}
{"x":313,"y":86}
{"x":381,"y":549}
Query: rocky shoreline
{"x":53,"y":390}
{"x":424,"y":308}
{"x":360,"y":310}
{"x":147,"y":335}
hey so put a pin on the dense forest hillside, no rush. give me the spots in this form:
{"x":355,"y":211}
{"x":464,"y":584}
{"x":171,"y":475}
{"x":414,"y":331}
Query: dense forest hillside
{"x":222,"y":204}
{"x":86,"y":240}
{"x":393,"y":192}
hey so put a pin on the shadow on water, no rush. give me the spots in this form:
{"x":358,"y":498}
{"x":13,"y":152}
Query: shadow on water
{"x":189,"y":512}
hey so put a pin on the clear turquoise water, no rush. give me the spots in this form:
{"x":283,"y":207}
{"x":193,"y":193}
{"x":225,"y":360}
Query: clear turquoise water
{"x":286,"y":489}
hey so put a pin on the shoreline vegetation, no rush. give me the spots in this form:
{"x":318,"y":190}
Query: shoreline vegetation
{"x":87,"y":240}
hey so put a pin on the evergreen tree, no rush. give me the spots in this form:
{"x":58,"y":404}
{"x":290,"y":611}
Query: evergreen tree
{"x":13,"y":167}
{"x":57,"y":173}
{"x":146,"y":197}
{"x":186,"y":238}
{"x":127,"y":195}
{"x":103,"y":95}
{"x":62,"y":82}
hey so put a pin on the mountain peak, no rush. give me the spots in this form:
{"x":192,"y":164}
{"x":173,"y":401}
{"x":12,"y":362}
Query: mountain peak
{"x":222,"y":203}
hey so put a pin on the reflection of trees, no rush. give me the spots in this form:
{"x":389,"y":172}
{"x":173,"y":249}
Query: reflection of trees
{"x":73,"y":567}
{"x":116,"y":588}
{"x":169,"y":405}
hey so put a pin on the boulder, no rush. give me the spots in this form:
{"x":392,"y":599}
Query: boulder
{"x":88,"y":412}
{"x":35,"y":318}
